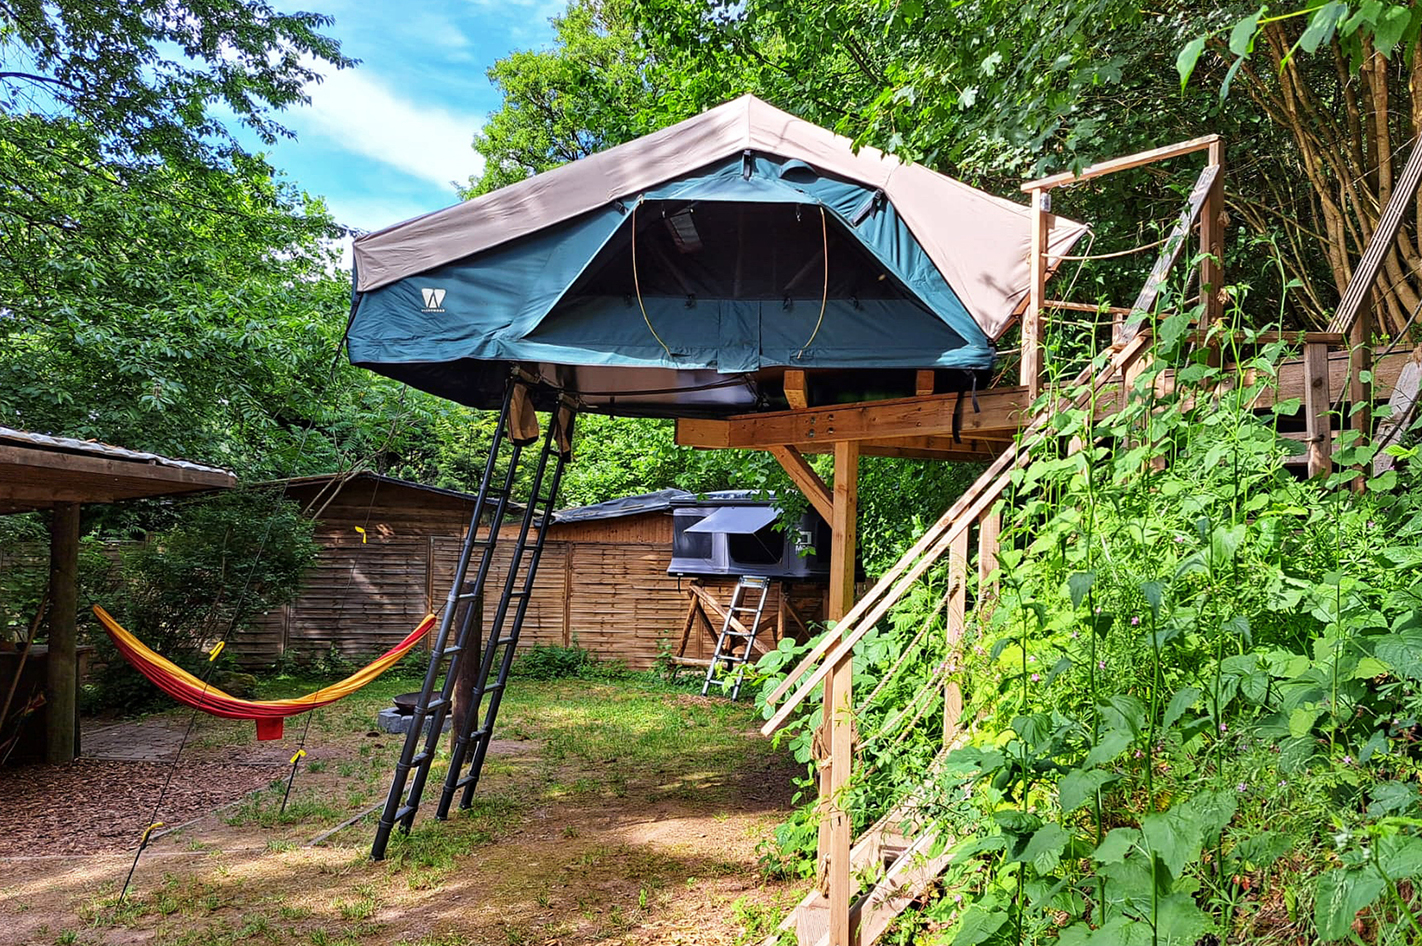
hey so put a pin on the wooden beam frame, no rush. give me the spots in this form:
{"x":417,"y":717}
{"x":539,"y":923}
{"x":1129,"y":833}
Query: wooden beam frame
{"x":794,"y":385}
{"x":793,"y":462}
{"x":836,"y":830}
{"x":1121,"y":164}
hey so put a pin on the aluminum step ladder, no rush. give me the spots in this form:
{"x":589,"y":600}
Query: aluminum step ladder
{"x":737,"y":637}
{"x":437,"y":692}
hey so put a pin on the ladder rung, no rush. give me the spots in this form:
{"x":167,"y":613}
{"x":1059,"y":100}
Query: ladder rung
{"x":430,"y":707}
{"x":482,"y":543}
{"x":505,"y":640}
{"x":419,"y":759}
{"x":453,"y":649}
{"x":467,"y":596}
{"x":405,"y":811}
{"x":464,"y":780}
{"x":494,"y":687}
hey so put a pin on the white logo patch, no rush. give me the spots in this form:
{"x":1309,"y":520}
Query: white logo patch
{"x":434,"y":299}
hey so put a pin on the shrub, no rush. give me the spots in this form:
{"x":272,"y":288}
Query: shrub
{"x":553,"y":662}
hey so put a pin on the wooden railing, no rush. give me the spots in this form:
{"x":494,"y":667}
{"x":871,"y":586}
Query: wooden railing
{"x":831,"y":658}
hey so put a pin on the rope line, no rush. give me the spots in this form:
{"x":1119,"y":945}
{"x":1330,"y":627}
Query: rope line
{"x":637,"y":283}
{"x":824,"y":293}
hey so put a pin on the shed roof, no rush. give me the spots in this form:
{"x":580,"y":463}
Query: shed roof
{"x":39,"y":471}
{"x":664,"y":500}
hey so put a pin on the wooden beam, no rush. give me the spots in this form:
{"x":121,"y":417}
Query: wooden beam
{"x":1121,"y":164}
{"x":1002,"y":410}
{"x":989,"y":541}
{"x":836,"y":833}
{"x":1316,"y":408}
{"x":793,"y":462}
{"x":957,"y":617}
{"x":1212,"y":227}
{"x":795,"y":389}
{"x":1031,"y":369}
{"x":923,"y":382}
{"x":62,"y":703}
{"x":1384,"y":235}
{"x":1174,"y":243}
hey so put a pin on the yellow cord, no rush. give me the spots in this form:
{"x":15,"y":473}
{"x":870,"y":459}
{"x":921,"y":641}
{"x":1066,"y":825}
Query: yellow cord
{"x":637,"y":285}
{"x":824,"y":295}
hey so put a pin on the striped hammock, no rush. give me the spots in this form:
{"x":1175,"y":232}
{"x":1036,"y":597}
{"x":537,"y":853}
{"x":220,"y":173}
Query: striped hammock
{"x":268,"y":714}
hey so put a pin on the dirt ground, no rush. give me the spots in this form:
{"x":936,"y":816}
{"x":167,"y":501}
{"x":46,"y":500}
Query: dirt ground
{"x":608,"y":815}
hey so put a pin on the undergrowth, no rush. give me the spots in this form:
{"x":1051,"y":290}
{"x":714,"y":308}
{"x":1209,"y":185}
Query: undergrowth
{"x":1191,"y":686}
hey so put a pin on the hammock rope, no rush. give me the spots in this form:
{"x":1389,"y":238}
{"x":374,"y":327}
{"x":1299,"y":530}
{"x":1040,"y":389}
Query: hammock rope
{"x":267,"y":714}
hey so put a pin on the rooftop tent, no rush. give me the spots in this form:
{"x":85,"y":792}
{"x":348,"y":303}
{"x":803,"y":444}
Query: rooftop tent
{"x":682,"y":273}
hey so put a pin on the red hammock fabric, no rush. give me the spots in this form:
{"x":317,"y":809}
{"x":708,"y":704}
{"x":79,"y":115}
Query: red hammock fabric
{"x":267,"y":714}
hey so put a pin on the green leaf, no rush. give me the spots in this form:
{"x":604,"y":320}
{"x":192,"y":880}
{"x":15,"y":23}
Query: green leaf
{"x":978,"y":926}
{"x":1369,"y":667}
{"x":1183,"y":699}
{"x":1179,"y":920}
{"x":1321,"y":25}
{"x":1110,"y":745}
{"x":1301,"y":721}
{"x":1174,"y":838}
{"x":1402,"y":651}
{"x":1078,"y":585}
{"x":1390,"y":28}
{"x":1116,"y":845}
{"x":1400,"y":856}
{"x":1188,"y":56}
{"x":1241,"y":38}
{"x":1383,"y":483}
{"x":1341,"y":894}
{"x":1260,"y":850}
{"x":1289,"y":407}
{"x":1080,"y":786}
{"x":1151,"y":591}
{"x":1389,"y":797}
{"x":1044,"y":851}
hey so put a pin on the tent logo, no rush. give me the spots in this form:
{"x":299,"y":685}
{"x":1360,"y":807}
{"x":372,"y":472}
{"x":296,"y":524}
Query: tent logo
{"x":434,"y":299}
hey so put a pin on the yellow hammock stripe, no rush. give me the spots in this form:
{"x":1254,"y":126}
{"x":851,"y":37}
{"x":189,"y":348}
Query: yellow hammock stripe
{"x":335,"y":691}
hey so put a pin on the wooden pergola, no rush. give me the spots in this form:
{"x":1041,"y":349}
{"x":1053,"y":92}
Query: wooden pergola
{"x":60,"y":474}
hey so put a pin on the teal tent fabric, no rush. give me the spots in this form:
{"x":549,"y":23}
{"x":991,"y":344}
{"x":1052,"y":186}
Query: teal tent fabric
{"x":568,"y":295}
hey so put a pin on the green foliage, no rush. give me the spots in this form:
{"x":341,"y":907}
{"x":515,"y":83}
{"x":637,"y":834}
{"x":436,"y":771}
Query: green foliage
{"x":553,"y":662}
{"x":1197,"y":685}
{"x":224,"y":561}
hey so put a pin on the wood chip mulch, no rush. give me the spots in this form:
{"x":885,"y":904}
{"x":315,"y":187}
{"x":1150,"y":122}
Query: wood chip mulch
{"x":93,"y":806}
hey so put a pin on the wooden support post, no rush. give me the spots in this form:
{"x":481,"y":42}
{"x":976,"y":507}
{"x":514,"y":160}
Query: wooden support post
{"x":471,"y":610}
{"x":62,"y":709}
{"x":1031,"y":376}
{"x":957,"y":615}
{"x":837,"y":730}
{"x":793,"y":462}
{"x":1316,"y":409}
{"x":923,"y":382}
{"x":795,"y":389}
{"x":989,"y":541}
{"x":1360,"y":392}
{"x":1212,"y":219}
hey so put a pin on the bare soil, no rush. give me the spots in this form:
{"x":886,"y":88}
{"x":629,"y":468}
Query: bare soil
{"x":569,"y":841}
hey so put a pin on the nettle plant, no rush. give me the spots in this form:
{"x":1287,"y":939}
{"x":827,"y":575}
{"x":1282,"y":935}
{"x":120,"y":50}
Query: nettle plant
{"x":1192,"y":699}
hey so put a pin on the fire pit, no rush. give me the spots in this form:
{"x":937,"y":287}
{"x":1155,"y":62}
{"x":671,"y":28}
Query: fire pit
{"x":397,"y":718}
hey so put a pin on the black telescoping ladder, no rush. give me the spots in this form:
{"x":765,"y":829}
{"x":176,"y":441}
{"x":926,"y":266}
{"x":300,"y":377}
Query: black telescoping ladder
{"x":437,"y":692}
{"x":737,"y":637}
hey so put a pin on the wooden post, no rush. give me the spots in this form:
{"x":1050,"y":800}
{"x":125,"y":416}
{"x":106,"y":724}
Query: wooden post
{"x":989,"y":541}
{"x":469,"y":659}
{"x":957,"y":615}
{"x":837,"y":730}
{"x":1031,"y":374}
{"x":1316,"y":408}
{"x":1212,"y":219}
{"x":1360,"y":392}
{"x":795,"y":394}
{"x":62,"y":711}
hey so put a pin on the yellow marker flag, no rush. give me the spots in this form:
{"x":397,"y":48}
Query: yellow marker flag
{"x":299,"y":754}
{"x":212,"y":654}
{"x":148,"y":831}
{"x":362,"y":534}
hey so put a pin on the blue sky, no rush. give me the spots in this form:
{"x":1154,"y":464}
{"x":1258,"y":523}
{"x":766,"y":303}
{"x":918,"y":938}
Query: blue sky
{"x":384,"y":141}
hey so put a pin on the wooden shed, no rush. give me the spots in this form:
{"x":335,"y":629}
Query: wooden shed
{"x":389,"y":549}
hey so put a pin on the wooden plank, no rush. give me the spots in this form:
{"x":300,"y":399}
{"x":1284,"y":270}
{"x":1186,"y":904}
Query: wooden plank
{"x":1361,"y":283}
{"x":923,"y":382}
{"x":62,"y":667}
{"x":1121,"y":164}
{"x":956,"y":622}
{"x":1032,"y":365}
{"x":1212,"y":228}
{"x":805,"y":478}
{"x":1003,"y":410}
{"x":1402,"y":410}
{"x":836,"y":834}
{"x":1174,"y":243}
{"x":1316,"y":409}
{"x":795,"y":389}
{"x":989,"y":541}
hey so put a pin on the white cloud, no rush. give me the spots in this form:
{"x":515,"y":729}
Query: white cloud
{"x":358,"y":113}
